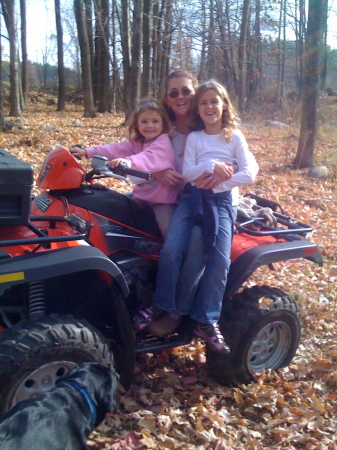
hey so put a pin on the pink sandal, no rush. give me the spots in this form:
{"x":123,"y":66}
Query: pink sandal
{"x":210,"y":333}
{"x":146,"y":316}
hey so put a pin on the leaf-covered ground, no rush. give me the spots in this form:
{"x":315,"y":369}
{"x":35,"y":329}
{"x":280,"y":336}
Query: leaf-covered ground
{"x":173,"y":403}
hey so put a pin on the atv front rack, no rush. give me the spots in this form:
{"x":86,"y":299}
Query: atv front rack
{"x":82,"y":231}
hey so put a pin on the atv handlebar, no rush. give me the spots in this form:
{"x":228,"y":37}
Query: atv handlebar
{"x":123,"y":170}
{"x":101,"y":167}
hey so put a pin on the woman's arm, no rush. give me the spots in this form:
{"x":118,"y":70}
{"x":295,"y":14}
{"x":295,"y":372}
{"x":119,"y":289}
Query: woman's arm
{"x":169,"y":177}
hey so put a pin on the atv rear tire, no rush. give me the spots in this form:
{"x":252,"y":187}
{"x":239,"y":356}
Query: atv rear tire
{"x":33,"y":354}
{"x":262,"y":326}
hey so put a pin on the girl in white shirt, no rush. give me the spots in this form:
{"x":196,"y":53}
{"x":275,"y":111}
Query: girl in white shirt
{"x":215,"y":140}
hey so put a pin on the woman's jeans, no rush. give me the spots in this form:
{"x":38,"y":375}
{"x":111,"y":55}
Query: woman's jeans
{"x":206,"y":305}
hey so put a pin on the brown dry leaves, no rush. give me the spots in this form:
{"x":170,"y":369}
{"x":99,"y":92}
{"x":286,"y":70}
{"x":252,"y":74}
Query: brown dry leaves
{"x":173,"y":404}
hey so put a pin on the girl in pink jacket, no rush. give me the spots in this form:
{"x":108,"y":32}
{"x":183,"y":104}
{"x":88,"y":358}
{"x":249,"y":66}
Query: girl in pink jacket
{"x":148,"y":149}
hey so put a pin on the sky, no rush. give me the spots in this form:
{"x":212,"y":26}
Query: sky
{"x":41,"y":24}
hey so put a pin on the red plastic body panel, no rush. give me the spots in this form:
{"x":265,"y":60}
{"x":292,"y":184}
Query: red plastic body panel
{"x":60,"y":171}
{"x":22,"y":232}
{"x":243,"y":242}
{"x":102,"y":233}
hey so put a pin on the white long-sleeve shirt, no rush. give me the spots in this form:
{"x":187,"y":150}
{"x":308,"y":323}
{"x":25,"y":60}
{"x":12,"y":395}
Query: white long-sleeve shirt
{"x":203,"y":150}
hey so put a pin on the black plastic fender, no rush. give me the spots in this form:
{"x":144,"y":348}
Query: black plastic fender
{"x":71,"y":260}
{"x":243,"y":267}
{"x":52,"y":263}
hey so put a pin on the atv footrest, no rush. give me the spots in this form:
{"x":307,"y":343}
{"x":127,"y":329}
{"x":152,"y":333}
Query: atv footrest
{"x":147,"y":343}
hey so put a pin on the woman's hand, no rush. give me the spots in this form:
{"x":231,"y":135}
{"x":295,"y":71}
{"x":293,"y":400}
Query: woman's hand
{"x":116,"y":162}
{"x":78,"y":152}
{"x":208,"y":181}
{"x":224,"y":169}
{"x":169,"y":177}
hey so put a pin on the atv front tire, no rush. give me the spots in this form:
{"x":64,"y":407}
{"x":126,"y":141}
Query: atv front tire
{"x":33,"y":354}
{"x":262,"y":326}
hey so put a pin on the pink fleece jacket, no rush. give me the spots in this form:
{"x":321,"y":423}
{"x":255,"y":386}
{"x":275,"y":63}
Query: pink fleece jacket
{"x":151,"y":156}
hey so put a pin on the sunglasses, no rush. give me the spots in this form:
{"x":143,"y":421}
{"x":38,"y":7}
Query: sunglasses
{"x":175,"y":93}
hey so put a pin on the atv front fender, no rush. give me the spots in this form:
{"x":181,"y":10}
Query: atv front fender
{"x":246,"y":264}
{"x":75,"y":260}
{"x":53,"y":263}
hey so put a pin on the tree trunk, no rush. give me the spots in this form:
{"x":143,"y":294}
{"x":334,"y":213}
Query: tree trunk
{"x":90,"y":31}
{"x":136,"y":54}
{"x":301,"y":50}
{"x":102,"y":56}
{"x":203,"y":50}
{"x":89,"y":110}
{"x":311,"y":85}
{"x":156,"y":40}
{"x":61,"y":101}
{"x":231,"y":47}
{"x":147,"y":26}
{"x":165,"y":57}
{"x":126,"y":52}
{"x":211,"y":64}
{"x":281,"y":56}
{"x":229,"y":72}
{"x":241,"y":56}
{"x":2,"y":116}
{"x":325,"y":45}
{"x":114,"y":63}
{"x":8,"y":10}
{"x":131,"y":54}
{"x":24,"y":64}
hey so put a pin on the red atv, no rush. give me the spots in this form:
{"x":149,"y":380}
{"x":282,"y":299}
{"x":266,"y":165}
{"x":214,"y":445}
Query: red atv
{"x":76,"y":269}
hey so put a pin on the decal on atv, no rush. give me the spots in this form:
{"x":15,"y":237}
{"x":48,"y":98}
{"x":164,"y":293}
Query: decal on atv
{"x":43,"y":202}
{"x":44,"y":172}
{"x":12,"y":277}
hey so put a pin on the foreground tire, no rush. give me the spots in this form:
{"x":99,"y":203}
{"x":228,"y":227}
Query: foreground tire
{"x":34,"y":354}
{"x":262,"y":326}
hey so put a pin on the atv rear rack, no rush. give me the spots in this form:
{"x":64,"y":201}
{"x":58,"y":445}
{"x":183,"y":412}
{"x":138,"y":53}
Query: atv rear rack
{"x":293,"y":227}
{"x":82,"y":231}
{"x":257,"y":226}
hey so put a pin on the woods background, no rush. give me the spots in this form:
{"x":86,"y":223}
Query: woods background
{"x":270,"y":55}
{"x":274,"y":62}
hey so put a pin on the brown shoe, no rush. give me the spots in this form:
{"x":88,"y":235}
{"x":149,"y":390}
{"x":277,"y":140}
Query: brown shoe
{"x":164,"y":325}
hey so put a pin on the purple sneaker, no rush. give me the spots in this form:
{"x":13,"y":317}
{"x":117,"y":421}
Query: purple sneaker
{"x":210,"y":333}
{"x":146,"y":316}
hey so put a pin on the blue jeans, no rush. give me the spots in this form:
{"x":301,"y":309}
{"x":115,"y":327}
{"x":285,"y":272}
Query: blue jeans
{"x":206,"y":305}
{"x":192,"y":268}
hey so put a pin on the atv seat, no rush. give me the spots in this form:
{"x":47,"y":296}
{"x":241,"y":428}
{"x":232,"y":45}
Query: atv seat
{"x":122,"y":208}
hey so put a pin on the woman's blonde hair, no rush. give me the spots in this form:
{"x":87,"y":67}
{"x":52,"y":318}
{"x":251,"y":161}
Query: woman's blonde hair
{"x":147,"y":105}
{"x":230,"y":119}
